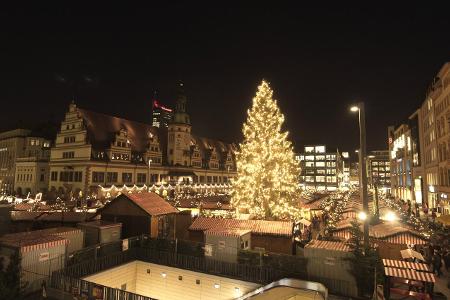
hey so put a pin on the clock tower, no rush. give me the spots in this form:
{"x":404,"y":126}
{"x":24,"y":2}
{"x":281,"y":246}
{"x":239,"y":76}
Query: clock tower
{"x":179,"y":133}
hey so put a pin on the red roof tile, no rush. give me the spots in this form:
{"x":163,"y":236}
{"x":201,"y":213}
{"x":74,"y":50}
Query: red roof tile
{"x":261,"y":227}
{"x":151,"y":203}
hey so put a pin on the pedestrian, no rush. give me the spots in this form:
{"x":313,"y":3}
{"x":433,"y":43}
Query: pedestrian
{"x":437,"y":263}
{"x":409,"y":207}
{"x":44,"y":290}
{"x":447,"y":260}
{"x":433,"y":214}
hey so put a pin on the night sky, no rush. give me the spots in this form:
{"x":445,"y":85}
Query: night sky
{"x":319,"y":60}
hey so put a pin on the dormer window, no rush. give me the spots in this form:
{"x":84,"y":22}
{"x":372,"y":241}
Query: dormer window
{"x":122,"y":144}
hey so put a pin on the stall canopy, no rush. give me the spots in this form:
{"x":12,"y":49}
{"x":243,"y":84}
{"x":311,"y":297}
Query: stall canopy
{"x":409,"y":274}
{"x":409,"y":253}
{"x":405,"y":265}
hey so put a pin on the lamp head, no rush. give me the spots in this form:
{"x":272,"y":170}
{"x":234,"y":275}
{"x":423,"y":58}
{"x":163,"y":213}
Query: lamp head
{"x":354,"y":108}
{"x":362,"y":216}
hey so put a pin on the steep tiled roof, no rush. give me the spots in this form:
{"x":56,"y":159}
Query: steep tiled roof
{"x":206,"y":144}
{"x":261,"y":227}
{"x":103,"y":128}
{"x":151,"y":203}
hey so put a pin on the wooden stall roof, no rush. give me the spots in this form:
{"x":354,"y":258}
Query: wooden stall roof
{"x":328,"y":245}
{"x":405,"y":265}
{"x":261,"y":227}
{"x":409,"y":274}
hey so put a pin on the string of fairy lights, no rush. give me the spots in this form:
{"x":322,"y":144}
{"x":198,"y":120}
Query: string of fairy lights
{"x":333,"y":206}
{"x":415,"y":222}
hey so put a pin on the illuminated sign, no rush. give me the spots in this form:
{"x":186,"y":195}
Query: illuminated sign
{"x":157,"y":105}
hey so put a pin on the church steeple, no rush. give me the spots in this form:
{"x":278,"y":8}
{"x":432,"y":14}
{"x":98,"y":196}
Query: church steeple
{"x":180,"y":109}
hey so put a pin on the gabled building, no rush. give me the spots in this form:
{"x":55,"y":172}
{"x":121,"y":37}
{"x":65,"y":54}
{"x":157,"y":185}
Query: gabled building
{"x":94,"y":149}
{"x":141,"y":213}
{"x":270,"y":236}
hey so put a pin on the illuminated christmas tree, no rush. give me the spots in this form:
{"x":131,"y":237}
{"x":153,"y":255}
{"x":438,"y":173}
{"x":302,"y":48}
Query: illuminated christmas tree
{"x":267,"y":179}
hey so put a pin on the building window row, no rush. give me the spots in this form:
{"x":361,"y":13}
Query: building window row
{"x":24,"y":177}
{"x":141,"y":177}
{"x":71,"y":176}
{"x":120,"y":156}
{"x":69,"y":154}
{"x":122,"y":144}
{"x":69,"y":139}
{"x":34,"y":142}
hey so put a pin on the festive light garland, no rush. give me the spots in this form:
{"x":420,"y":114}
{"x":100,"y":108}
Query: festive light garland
{"x":334,"y":206}
{"x":419,"y":225}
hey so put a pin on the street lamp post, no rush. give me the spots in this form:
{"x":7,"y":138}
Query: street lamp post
{"x":149,"y":181}
{"x":362,"y":167}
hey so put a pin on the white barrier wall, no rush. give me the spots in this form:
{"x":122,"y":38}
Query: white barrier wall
{"x":165,"y":283}
{"x":117,"y":277}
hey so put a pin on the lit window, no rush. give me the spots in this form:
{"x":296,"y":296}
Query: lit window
{"x":320,"y":149}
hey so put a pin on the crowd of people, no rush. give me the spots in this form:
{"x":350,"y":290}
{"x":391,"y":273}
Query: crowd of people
{"x":437,"y":258}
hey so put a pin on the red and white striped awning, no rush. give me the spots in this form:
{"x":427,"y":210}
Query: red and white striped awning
{"x":409,"y":274}
{"x":405,"y":265}
{"x":44,"y":245}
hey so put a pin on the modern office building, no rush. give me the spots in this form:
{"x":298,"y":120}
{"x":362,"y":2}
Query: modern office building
{"x":94,"y":150}
{"x":346,"y":165}
{"x":320,"y":170}
{"x":31,"y":151}
{"x":378,"y":170}
{"x":161,"y":115}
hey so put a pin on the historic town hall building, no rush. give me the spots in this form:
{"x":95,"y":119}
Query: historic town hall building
{"x":94,"y":150}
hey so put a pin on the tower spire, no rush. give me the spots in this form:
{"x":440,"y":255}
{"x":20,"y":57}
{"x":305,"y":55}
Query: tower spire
{"x":181,"y":115}
{"x":181,"y":98}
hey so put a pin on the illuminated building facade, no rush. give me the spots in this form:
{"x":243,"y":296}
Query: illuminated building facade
{"x":345,"y":183}
{"x":320,"y":170}
{"x":161,"y":115}
{"x":93,"y":150}
{"x":378,"y":169}
{"x":435,"y":117}
{"x":31,"y":151}
{"x":419,"y":150}
{"x":401,"y":162}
